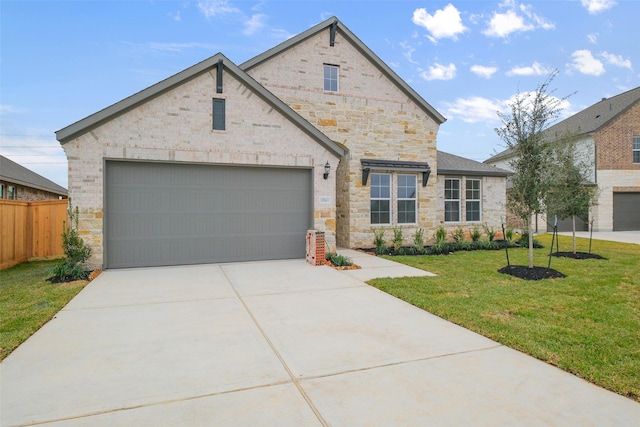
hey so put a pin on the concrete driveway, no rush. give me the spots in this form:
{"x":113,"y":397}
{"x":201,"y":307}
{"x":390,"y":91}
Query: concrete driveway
{"x":278,"y":343}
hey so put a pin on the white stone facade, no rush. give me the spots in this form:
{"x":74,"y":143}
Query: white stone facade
{"x":176,"y":126}
{"x":369,"y":115}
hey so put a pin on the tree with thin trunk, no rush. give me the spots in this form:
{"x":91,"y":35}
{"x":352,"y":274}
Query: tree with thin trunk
{"x":522,"y":131}
{"x":571,"y":194}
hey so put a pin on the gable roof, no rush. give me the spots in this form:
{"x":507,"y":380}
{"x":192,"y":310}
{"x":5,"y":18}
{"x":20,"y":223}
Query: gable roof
{"x":91,"y":122}
{"x":364,"y":50}
{"x":456,"y":165}
{"x":589,"y":120}
{"x":14,"y":173}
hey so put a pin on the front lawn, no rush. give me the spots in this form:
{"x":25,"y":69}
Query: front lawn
{"x":587,"y":323}
{"x":28,"y":301}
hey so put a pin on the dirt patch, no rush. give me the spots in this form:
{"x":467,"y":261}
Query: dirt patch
{"x":535,"y":273}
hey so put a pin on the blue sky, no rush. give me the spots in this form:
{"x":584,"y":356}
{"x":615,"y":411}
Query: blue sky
{"x":61,"y":61}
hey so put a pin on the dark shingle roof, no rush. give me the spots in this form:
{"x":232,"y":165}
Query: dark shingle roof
{"x":14,"y":173}
{"x":589,"y":120}
{"x":452,"y":164}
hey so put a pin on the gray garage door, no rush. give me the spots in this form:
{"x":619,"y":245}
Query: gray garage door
{"x":171,"y":214}
{"x":626,"y":211}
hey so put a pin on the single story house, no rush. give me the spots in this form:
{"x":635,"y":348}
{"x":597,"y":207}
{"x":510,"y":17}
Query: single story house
{"x":224,"y":162}
{"x":20,"y":183}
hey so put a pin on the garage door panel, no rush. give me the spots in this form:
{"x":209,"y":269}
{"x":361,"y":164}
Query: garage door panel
{"x":626,"y":211}
{"x":170,"y":214}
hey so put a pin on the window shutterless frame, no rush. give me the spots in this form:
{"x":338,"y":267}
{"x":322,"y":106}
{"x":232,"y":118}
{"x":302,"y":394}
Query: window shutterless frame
{"x":452,"y":200}
{"x":331,"y":73}
{"x":636,"y":149}
{"x":472,"y":200}
{"x":380,"y":202}
{"x":407,"y":192}
{"x":219,"y":114}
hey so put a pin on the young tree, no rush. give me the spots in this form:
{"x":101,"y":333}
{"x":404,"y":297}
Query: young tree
{"x":571,"y":194}
{"x":522,"y":131}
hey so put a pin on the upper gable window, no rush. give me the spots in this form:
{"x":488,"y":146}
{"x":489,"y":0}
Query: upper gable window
{"x":636,"y":149}
{"x":218,"y":114}
{"x":331,"y":73}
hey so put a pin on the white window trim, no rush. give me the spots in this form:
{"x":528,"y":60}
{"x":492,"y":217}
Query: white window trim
{"x":393,"y":199}
{"x":390,"y":198}
{"x":479,"y":200}
{"x":414,"y":199}
{"x":337,"y":79}
{"x":635,"y":150}
{"x":459,"y":200}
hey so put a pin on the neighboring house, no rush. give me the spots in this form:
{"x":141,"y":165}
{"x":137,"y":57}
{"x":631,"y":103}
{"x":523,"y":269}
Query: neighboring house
{"x":19,"y":183}
{"x":609,"y":139}
{"x":228,"y":163}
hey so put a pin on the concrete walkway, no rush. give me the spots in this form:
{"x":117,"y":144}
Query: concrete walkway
{"x":278,"y":344}
{"x":614,"y":236}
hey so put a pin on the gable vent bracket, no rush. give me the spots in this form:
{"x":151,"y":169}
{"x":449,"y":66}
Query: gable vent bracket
{"x":219,"y":76}
{"x":332,"y":33}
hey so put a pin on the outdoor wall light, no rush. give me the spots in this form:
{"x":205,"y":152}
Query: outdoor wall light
{"x":327,"y":169}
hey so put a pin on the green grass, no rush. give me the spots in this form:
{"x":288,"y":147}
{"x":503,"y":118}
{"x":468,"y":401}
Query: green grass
{"x":587,"y":323}
{"x":28,"y":301}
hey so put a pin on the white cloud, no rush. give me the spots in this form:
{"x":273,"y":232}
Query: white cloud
{"x":407,"y":52}
{"x":596,"y":6}
{"x":503,"y":24}
{"x":475,"y":109}
{"x":585,"y":63}
{"x":616,"y":60}
{"x":439,"y":72}
{"x":535,"y":69}
{"x":253,"y":24}
{"x":483,"y":71}
{"x":593,"y":38}
{"x":213,"y":8}
{"x":444,"y":23}
{"x":519,"y":18}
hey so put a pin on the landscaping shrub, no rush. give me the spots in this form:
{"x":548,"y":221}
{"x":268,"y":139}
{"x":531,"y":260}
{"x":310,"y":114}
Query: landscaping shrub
{"x":378,"y":241}
{"x":339,"y":260}
{"x":75,"y":249}
{"x":397,"y":241}
{"x":475,"y":233}
{"x":418,"y":241}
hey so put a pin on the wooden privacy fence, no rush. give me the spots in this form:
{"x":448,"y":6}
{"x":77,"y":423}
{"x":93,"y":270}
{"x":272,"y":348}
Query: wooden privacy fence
{"x":31,"y":230}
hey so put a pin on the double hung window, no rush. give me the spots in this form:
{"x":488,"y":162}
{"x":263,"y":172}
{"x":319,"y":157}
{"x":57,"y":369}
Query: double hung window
{"x":636,"y":149}
{"x":472,"y":203}
{"x":393,"y":190}
{"x":451,"y":200}
{"x":331,"y":73}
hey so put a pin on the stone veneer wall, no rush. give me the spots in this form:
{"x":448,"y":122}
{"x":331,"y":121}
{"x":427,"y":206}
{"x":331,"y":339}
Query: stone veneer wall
{"x":30,"y":193}
{"x":177,"y":127}
{"x":369,"y":115}
{"x":493,"y":203}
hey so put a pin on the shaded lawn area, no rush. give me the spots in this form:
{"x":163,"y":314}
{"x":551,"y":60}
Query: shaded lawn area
{"x":587,"y":323}
{"x":28,"y":301}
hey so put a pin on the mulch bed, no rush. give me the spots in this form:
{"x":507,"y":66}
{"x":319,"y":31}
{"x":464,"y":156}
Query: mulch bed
{"x":535,"y":273}
{"x":578,"y":255}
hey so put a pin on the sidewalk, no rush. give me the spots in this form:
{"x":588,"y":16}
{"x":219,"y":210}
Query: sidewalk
{"x":614,"y":236}
{"x":373,"y":267}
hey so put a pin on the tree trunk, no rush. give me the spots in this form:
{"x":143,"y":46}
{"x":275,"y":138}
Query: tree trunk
{"x":530,"y":228}
{"x":573,"y":217}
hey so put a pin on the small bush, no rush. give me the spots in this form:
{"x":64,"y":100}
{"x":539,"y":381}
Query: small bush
{"x":490,"y":232}
{"x":458,"y":235}
{"x":509,"y":235}
{"x":523,"y":241}
{"x":75,"y":249}
{"x":475,"y":233}
{"x":418,"y":241}
{"x":441,"y":248}
{"x":378,"y":241}
{"x":397,"y":239}
{"x":440,"y":235}
{"x":339,"y":260}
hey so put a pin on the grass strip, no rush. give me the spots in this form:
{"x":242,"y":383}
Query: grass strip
{"x":587,"y":323}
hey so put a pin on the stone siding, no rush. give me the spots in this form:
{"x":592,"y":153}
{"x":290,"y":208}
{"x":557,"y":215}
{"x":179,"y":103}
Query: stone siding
{"x":493,"y":195}
{"x":30,"y":193}
{"x":369,"y":115}
{"x":176,"y":126}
